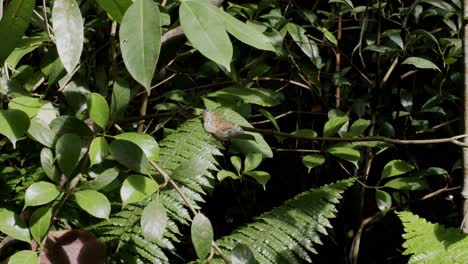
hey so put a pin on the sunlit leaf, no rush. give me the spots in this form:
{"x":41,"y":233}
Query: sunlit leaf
{"x":12,"y":225}
{"x":252,"y":161}
{"x":395,"y":168}
{"x":154,"y":220}
{"x":136,"y":188}
{"x":115,"y":8}
{"x":407,"y":183}
{"x":67,"y":152}
{"x":223,"y":174}
{"x":237,"y":163}
{"x":101,"y":180}
{"x":241,"y":254}
{"x":261,"y":177}
{"x":348,"y":154}
{"x":202,"y":235}
{"x":13,"y":124}
{"x":334,"y":125}
{"x":94,"y":203}
{"x":383,"y":200}
{"x":24,"y":257}
{"x":98,"y":109}
{"x":40,"y":193}
{"x":313,"y":160}
{"x":130,"y":155}
{"x":39,"y":223}
{"x":98,"y":150}
{"x":146,"y":142}
{"x":47,"y":163}
{"x":421,"y":63}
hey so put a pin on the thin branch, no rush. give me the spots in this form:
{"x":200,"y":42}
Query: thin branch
{"x":143,"y":108}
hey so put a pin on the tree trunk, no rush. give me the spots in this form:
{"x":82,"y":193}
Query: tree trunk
{"x":465,"y":150}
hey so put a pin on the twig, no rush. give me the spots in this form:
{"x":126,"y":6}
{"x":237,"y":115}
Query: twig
{"x":445,"y":189}
{"x":338,"y":64}
{"x":283,"y":80}
{"x":143,"y":108}
{"x":46,"y":20}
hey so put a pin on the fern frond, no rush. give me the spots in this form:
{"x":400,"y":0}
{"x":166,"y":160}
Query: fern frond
{"x":432,"y":243}
{"x":287,"y":233}
{"x":189,"y":141}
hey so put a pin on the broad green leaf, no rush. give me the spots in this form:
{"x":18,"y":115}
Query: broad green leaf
{"x":115,"y":8}
{"x":223,"y":174}
{"x":328,"y":35}
{"x":245,"y":32}
{"x":29,"y":105}
{"x":101,"y":180}
{"x":67,"y":152}
{"x":12,"y":225}
{"x":136,"y":188}
{"x":261,"y":177}
{"x":47,"y":163}
{"x":421,"y":63}
{"x":252,"y":161}
{"x":270,"y":117}
{"x":407,"y":183}
{"x":94,"y":203}
{"x":98,"y":150}
{"x":191,"y":168}
{"x":13,"y":124}
{"x":42,"y":133}
{"x":440,"y":4}
{"x":313,"y":160}
{"x":98,"y":110}
{"x":358,"y":127}
{"x":307,"y":45}
{"x":24,"y":257}
{"x":154,"y":220}
{"x":40,"y":193}
{"x":241,"y":254}
{"x":69,"y":124}
{"x":258,"y":96}
{"x":13,"y":24}
{"x":348,"y":154}
{"x":334,"y":125}
{"x":146,"y":142}
{"x":395,"y":168}
{"x":140,"y":40}
{"x":130,"y":155}
{"x":25,"y":46}
{"x":205,"y":30}
{"x":237,"y":163}
{"x":39,"y":223}
{"x":202,"y":235}
{"x":305,"y":133}
{"x":121,"y":95}
{"x":383,"y":200}
{"x":68,"y":31}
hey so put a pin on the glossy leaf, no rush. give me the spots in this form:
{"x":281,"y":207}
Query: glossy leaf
{"x":39,"y":223}
{"x":98,"y":150}
{"x":130,"y":155}
{"x":13,"y":24}
{"x":68,"y":32}
{"x":140,"y":40}
{"x":205,"y":30}
{"x":305,"y":133}
{"x":241,"y":254}
{"x":154,"y":220}
{"x":67,"y":152}
{"x":69,"y":124}
{"x":421,"y":63}
{"x":383,"y":200}
{"x":25,"y":46}
{"x":345,"y":153}
{"x":29,"y":105}
{"x":102,"y":180}
{"x":12,"y":225}
{"x":223,"y":174}
{"x":202,"y":235}
{"x":313,"y":160}
{"x":121,"y":95}
{"x":261,"y":177}
{"x":395,"y":168}
{"x":94,"y":203}
{"x":24,"y":257}
{"x":237,"y":163}
{"x":136,"y":188}
{"x":115,"y":8}
{"x":358,"y":127}
{"x":40,"y":193}
{"x":270,"y":117}
{"x":252,"y":161}
{"x":307,"y":45}
{"x":334,"y":125}
{"x":407,"y":183}
{"x":146,"y":142}
{"x":42,"y":133}
{"x":47,"y":163}
{"x":98,"y":110}
{"x":13,"y":124}
{"x":258,"y":96}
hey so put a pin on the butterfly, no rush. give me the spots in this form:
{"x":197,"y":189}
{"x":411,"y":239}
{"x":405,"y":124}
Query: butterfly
{"x":220,"y":127}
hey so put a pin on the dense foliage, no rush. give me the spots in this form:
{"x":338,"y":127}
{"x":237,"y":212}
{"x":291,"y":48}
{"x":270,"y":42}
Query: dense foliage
{"x":172,"y":131}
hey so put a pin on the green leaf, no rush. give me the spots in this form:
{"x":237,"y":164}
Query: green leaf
{"x":130,"y":155}
{"x":237,"y":163}
{"x":258,"y":96}
{"x":261,"y":177}
{"x":252,"y":161}
{"x":348,"y":154}
{"x":358,"y":127}
{"x":420,"y":63}
{"x":245,"y":32}
{"x":39,"y":223}
{"x":191,"y":168}
{"x":94,"y":203}
{"x":101,"y":180}
{"x":202,"y":235}
{"x":307,"y":45}
{"x":98,"y":150}
{"x":328,"y":35}
{"x":334,"y":125}
{"x":270,"y":117}
{"x":154,"y":220}
{"x":12,"y":225}
{"x":313,"y":160}
{"x":24,"y":47}
{"x":396,"y":167}
{"x":68,"y":32}
{"x":115,"y":8}
{"x":13,"y":124}
{"x":40,"y":193}
{"x":146,"y":142}
{"x":241,"y":254}
{"x":67,"y":152}
{"x":140,"y":40}
{"x":13,"y":24}
{"x":29,"y":105}
{"x":223,"y":174}
{"x":383,"y":200}
{"x":305,"y":133}
{"x":24,"y":257}
{"x":42,"y":133}
{"x":136,"y":188}
{"x":205,"y":30}
{"x":98,"y":110}
{"x":121,"y":95}
{"x":69,"y":124}
{"x":47,"y":163}
{"x":407,"y":183}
